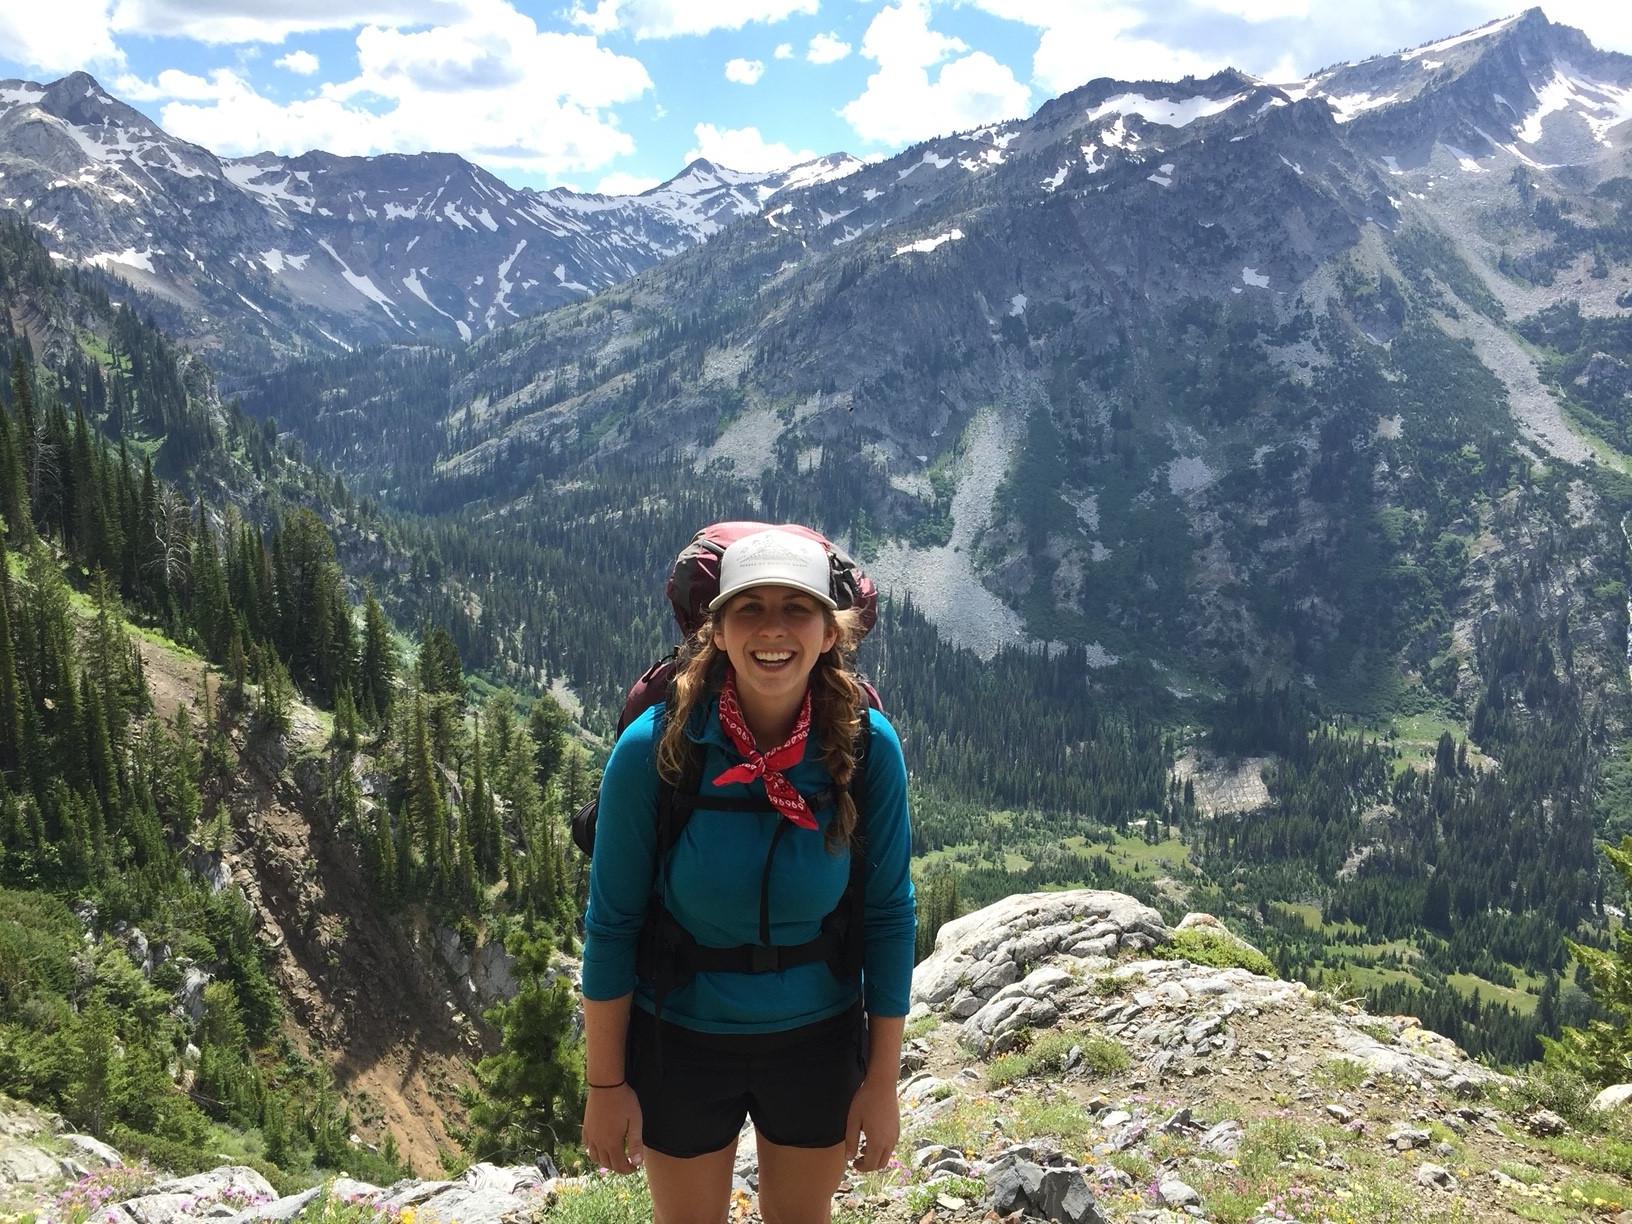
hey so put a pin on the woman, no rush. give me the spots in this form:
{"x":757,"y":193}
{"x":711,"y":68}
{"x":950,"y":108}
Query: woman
{"x":764,"y":693}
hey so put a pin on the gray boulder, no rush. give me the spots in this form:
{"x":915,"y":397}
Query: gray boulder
{"x":94,"y":1150}
{"x":981,"y":953}
{"x":1060,"y":1192}
{"x":26,"y":1165}
{"x":190,"y":994}
{"x":1613,"y":1097}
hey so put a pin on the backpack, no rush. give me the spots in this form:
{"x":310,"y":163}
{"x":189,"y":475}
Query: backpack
{"x":667,"y":954}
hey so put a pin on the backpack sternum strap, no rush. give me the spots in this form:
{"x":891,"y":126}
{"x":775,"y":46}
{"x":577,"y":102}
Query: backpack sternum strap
{"x":669,"y":956}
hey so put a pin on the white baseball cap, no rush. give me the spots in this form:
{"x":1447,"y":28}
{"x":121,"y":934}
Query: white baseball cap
{"x":775,"y":558}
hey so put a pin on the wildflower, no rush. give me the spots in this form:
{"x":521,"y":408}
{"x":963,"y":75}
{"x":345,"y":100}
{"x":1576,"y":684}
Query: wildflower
{"x":407,"y":1216}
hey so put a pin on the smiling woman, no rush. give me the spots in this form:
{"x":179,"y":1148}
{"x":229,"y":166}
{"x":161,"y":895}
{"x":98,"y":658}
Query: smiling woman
{"x":749,"y":939}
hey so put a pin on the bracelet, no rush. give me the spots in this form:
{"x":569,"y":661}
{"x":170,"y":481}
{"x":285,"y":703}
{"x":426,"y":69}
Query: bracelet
{"x":619,"y":1084}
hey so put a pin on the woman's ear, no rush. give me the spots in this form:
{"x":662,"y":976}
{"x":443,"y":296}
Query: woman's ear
{"x":830,"y":639}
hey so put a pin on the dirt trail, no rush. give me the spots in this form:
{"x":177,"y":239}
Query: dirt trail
{"x":357,"y":983}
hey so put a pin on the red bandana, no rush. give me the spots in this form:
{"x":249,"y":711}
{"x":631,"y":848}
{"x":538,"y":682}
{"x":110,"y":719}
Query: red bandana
{"x":784,"y":798}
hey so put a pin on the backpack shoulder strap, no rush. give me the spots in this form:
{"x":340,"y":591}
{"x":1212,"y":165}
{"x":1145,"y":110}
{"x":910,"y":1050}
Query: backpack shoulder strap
{"x":676,"y":801}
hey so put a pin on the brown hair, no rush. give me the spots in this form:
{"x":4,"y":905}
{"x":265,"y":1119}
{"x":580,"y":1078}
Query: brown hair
{"x":837,"y":706}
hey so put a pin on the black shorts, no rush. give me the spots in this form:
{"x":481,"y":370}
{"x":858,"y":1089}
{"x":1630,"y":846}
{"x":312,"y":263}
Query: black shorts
{"x":696,"y":1090}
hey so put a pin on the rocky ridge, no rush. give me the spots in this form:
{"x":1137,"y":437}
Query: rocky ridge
{"x":1059,"y":1066}
{"x":317,"y":252}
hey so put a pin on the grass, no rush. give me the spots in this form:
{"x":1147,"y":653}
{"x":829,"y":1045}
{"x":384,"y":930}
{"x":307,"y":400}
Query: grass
{"x":1049,"y":1052}
{"x":921,"y":1198}
{"x":1599,"y":1153}
{"x":1056,"y":1118}
{"x":1521,"y":1001}
{"x":1369,"y":977}
{"x":921,"y":1027}
{"x":1267,"y":1143}
{"x":608,"y":1200}
{"x":1202,"y":947}
{"x":960,"y":1127}
{"x":1341,"y":1074}
{"x":1307,"y":912}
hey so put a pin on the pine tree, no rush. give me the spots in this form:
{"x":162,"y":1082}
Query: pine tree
{"x":1602,"y":1051}
{"x":97,"y":748}
{"x":377,"y":667}
{"x":11,"y":690}
{"x":528,"y":1096}
{"x":548,"y":723}
{"x":14,"y":503}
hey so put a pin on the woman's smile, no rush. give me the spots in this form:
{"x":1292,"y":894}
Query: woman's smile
{"x":773,"y":636}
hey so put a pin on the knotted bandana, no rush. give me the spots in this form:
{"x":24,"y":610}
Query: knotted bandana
{"x":784,"y":798}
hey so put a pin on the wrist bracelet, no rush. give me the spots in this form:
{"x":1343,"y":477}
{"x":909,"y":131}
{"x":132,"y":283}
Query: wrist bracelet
{"x":619,"y":1084}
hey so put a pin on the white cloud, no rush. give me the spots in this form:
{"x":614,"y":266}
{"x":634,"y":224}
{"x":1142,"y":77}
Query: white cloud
{"x":1258,"y":10}
{"x":783,"y":51}
{"x":827,"y":49}
{"x":621,"y":182}
{"x":903,"y":103}
{"x":237,"y":21}
{"x":744,"y":71}
{"x":743,"y":149}
{"x":490,"y":86}
{"x":60,"y":36}
{"x":301,"y":63}
{"x":1079,"y":40}
{"x":670,"y":18}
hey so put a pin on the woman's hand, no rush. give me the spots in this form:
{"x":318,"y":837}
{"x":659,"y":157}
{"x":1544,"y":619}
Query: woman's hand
{"x":875,"y":1111}
{"x":612,"y":1129}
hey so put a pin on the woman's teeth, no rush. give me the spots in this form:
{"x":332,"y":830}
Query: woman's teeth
{"x":772,"y":658}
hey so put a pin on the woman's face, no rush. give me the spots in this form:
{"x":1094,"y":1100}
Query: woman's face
{"x":773,"y":636}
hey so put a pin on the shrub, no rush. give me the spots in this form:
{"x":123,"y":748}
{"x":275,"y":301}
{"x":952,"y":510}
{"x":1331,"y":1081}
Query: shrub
{"x":1203,"y":947}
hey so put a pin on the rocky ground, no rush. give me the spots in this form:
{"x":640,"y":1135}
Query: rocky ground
{"x":1062,"y":1065}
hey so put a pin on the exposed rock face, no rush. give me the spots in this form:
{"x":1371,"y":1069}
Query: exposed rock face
{"x":1041,"y":960}
{"x":981,"y":953}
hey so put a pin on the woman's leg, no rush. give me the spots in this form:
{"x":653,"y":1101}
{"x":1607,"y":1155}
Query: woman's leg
{"x":691,"y":1190}
{"x":796,"y":1184}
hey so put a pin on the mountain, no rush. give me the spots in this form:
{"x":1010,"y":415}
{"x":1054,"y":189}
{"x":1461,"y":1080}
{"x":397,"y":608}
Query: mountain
{"x":272,"y":254}
{"x":1109,"y":374}
{"x":1251,"y":409}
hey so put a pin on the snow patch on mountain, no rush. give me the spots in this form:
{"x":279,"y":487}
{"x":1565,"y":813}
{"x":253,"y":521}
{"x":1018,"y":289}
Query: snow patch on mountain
{"x":362,"y":284}
{"x":129,"y":258}
{"x":1602,"y":106}
{"x":1346,"y":107}
{"x":1445,"y":44}
{"x":1169,"y":112}
{"x":925,"y":245}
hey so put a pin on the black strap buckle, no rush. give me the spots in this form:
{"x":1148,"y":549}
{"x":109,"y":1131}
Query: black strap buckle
{"x":765,"y":959}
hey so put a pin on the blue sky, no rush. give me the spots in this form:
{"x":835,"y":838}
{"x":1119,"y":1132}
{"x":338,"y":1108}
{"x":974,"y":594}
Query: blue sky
{"x":619,"y":94}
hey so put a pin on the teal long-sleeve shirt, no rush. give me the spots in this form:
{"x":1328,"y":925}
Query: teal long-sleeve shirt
{"x":714,"y":879}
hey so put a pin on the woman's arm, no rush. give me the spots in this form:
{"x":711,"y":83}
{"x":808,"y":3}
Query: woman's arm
{"x":891,"y":922}
{"x":621,"y":869}
{"x":612,"y":1120}
{"x":891,"y":930}
{"x":875,"y":1111}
